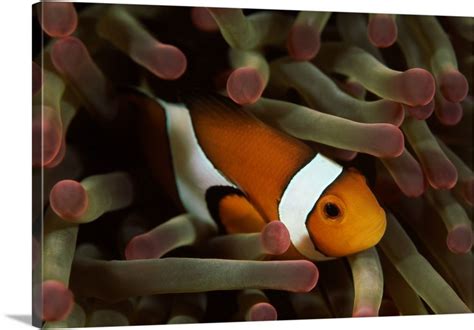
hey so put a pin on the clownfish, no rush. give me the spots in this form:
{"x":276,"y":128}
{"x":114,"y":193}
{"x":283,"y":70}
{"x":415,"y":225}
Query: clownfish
{"x":223,"y":165}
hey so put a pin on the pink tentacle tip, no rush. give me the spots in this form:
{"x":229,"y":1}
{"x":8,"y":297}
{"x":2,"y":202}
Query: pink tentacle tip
{"x":303,"y":42}
{"x":140,"y":247}
{"x":58,"y":301}
{"x":262,"y":312}
{"x":364,"y":311}
{"x":245,"y":85}
{"x":69,"y":199}
{"x":59,"y":156}
{"x":46,"y":136}
{"x":441,"y":173}
{"x":410,"y":178}
{"x":453,"y":85}
{"x":353,"y":88}
{"x":416,"y":188}
{"x":448,"y":113}
{"x":59,"y":19}
{"x":382,"y":31}
{"x":421,"y":112}
{"x":203,"y":20}
{"x":388,"y":139}
{"x":306,"y":274}
{"x":68,"y":54}
{"x":417,"y":86}
{"x":275,"y":238}
{"x":166,"y":61}
{"x":459,"y":239}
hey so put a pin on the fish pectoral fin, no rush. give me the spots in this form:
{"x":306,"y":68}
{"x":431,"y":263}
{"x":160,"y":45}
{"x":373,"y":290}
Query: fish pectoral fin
{"x":238,"y":215}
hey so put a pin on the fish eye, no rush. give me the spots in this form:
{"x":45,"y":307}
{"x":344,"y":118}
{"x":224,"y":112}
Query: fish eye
{"x":331,"y":210}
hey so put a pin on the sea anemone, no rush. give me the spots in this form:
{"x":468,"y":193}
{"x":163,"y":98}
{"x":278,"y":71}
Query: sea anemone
{"x":390,"y":95}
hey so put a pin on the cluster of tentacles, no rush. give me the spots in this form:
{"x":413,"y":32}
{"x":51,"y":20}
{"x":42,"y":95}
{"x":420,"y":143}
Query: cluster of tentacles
{"x":388,"y":94}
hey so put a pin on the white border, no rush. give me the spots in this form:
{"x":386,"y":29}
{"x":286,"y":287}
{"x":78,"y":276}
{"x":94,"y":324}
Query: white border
{"x":15,"y":160}
{"x":445,"y":8}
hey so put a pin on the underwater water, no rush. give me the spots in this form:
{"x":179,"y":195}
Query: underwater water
{"x":119,"y":236}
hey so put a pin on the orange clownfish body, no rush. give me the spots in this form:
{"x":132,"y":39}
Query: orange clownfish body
{"x":223,"y":164}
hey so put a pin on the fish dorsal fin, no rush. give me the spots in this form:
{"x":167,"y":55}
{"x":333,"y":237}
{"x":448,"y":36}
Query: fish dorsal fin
{"x":256,"y":157}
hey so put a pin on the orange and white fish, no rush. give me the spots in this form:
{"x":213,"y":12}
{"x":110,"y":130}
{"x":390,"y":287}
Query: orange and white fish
{"x":223,"y":164}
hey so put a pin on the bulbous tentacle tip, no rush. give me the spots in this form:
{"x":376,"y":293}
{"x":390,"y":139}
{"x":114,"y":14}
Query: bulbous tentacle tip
{"x":168,"y":62}
{"x":414,"y":184}
{"x":245,"y":85}
{"x":421,"y":112}
{"x":459,"y":239}
{"x":354,"y":89}
{"x":416,"y":189}
{"x":390,"y":141}
{"x":364,"y":311}
{"x":418,"y":86}
{"x":453,"y":85}
{"x":449,"y":113}
{"x":306,"y":273}
{"x":443,"y":175}
{"x":58,"y":301}
{"x":68,"y":52}
{"x":69,"y":199}
{"x":262,"y":312}
{"x":58,"y":19}
{"x":139,"y":247}
{"x":72,"y":59}
{"x":59,"y":156}
{"x":382,"y":31}
{"x":47,"y":137}
{"x":275,"y":238}
{"x":303,"y":42}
